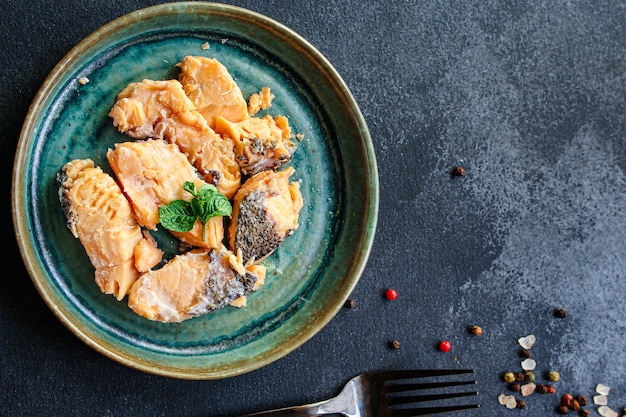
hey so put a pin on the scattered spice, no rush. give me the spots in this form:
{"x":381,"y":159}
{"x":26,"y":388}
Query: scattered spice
{"x":560,"y":313}
{"x":509,"y":377}
{"x":525,"y":353}
{"x":350,"y":303}
{"x":585,"y":413}
{"x":542,"y":389}
{"x":508,"y":401}
{"x":394,"y":344}
{"x":606,"y":411}
{"x":391,"y":294}
{"x":563,"y":410}
{"x":445,"y":346}
{"x":553,"y":376}
{"x":603,"y":389}
{"x":527,"y":342}
{"x":600,"y":399}
{"x":528,"y":389}
{"x":566,"y":399}
{"x":521,"y":404}
{"x":520,"y":376}
{"x":515,"y":387}
{"x":458,"y":171}
{"x":476,"y":330}
{"x":83,"y":80}
{"x":529,"y":376}
{"x":550,"y":389}
{"x":582,"y":400}
{"x":574,"y":405}
{"x":528,"y":364}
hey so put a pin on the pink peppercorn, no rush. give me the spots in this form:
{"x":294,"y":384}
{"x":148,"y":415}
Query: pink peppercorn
{"x":445,"y":346}
{"x":391,"y":294}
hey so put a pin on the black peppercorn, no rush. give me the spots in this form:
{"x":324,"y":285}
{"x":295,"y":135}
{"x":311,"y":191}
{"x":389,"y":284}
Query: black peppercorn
{"x":458,"y":171}
{"x":563,"y":409}
{"x":349,"y":303}
{"x":560,"y":313}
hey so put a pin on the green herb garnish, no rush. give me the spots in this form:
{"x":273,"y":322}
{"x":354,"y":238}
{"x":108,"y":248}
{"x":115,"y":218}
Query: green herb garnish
{"x":181,"y":215}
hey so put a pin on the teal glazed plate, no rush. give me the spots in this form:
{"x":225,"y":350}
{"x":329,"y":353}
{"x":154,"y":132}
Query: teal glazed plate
{"x":308,"y":278}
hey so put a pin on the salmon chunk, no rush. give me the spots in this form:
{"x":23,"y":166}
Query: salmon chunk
{"x":162,"y":110}
{"x":265,"y":212}
{"x":99,"y":215}
{"x":212,"y":89}
{"x":152,"y":174}
{"x":260,"y":142}
{"x":190,"y":285}
{"x":260,"y":101}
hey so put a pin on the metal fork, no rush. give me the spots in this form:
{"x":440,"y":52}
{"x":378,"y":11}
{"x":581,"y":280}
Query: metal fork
{"x":385,"y":394}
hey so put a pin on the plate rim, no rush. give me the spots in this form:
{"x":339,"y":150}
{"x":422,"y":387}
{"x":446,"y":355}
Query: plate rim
{"x":26,"y":142}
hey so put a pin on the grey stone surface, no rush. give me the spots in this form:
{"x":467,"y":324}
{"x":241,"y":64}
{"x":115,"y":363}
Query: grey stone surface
{"x":528,"y":96}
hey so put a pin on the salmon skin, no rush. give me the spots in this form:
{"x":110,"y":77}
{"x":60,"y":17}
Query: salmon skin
{"x":265,"y":211}
{"x":189,"y":285}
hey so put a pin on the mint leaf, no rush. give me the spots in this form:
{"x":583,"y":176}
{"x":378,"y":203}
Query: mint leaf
{"x":207,"y":202}
{"x":177,"y":216}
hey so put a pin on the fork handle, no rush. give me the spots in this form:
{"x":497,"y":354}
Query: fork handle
{"x":316,"y":409}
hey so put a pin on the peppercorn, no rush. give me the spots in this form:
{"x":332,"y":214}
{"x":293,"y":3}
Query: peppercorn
{"x":509,"y":377}
{"x":574,"y":405}
{"x":476,"y":330}
{"x":515,"y":387}
{"x":585,"y":413}
{"x":553,"y":376}
{"x":445,"y":346}
{"x":582,"y":400}
{"x":529,"y":376}
{"x":394,"y":344}
{"x":520,"y":404}
{"x":562,"y":410}
{"x":560,"y":313}
{"x":551,"y":389}
{"x":391,"y":294}
{"x":520,"y":376}
{"x":349,"y":303}
{"x":458,"y":171}
{"x":566,"y":399}
{"x":525,"y":353}
{"x":542,"y":389}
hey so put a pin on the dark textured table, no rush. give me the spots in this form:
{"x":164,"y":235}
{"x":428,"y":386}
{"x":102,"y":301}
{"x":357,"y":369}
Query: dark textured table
{"x":528,"y":97}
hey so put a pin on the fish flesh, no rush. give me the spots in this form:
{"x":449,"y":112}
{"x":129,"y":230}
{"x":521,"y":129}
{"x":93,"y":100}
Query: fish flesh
{"x":162,"y":110}
{"x":265,"y":212}
{"x":190,"y":285}
{"x":261,"y":143}
{"x":102,"y":219}
{"x":152,"y":174}
{"x":212,"y":89}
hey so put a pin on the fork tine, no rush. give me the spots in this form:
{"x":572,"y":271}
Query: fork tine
{"x":414,"y":412}
{"x":394,"y":388}
{"x":408,"y":399}
{"x":421,"y":373}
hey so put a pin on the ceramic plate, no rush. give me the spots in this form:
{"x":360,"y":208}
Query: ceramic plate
{"x":309,"y":277}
